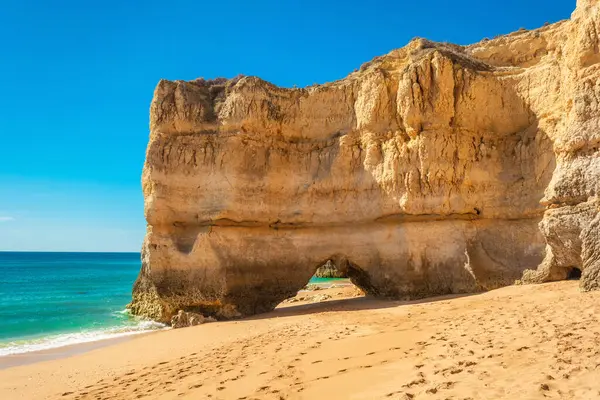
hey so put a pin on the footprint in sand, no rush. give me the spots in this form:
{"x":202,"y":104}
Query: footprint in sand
{"x":405,"y":396}
{"x":416,"y":382}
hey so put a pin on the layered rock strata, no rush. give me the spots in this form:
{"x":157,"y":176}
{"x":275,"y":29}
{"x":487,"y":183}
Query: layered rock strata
{"x":433,"y":169}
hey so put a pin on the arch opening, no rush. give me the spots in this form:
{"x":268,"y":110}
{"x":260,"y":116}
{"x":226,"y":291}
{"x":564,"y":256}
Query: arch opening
{"x":334,"y":278}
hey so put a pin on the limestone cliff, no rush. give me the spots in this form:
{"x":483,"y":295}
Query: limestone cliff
{"x":425,"y":172}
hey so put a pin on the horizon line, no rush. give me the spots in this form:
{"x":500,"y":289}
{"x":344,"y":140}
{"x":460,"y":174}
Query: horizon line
{"x":61,"y":251}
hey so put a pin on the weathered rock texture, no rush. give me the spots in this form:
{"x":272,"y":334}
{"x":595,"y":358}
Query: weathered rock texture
{"x":330,"y":270}
{"x":185,"y":319}
{"x":423,"y":172}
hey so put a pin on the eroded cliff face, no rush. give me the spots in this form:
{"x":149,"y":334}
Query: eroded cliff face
{"x":433,"y":169}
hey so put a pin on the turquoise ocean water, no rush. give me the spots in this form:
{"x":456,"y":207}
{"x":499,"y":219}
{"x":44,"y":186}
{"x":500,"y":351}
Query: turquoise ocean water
{"x":315,"y":280}
{"x":50,"y":300}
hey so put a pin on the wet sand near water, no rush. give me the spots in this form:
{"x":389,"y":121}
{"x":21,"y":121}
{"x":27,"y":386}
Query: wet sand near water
{"x":15,"y":360}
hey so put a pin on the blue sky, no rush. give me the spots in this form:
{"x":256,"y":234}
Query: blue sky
{"x":78,"y":76}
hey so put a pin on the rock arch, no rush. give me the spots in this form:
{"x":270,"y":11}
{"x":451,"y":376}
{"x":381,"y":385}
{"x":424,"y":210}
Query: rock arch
{"x":425,"y":168}
{"x":235,"y":271}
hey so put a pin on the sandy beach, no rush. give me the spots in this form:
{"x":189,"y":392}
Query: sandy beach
{"x":239,"y":208}
{"x":525,"y":342}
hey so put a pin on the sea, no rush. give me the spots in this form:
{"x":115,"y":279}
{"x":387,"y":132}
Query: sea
{"x":50,"y":300}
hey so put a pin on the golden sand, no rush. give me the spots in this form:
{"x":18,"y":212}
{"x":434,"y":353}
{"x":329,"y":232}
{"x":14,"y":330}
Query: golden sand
{"x":520,"y":342}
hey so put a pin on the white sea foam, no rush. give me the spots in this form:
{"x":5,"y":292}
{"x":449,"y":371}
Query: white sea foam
{"x":84,"y":336}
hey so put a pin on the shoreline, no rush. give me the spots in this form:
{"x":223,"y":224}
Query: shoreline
{"x":69,"y":350}
{"x":65,"y":351}
{"x":56,"y":341}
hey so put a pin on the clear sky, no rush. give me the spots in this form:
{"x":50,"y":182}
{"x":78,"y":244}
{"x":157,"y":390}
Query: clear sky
{"x":78,"y":76}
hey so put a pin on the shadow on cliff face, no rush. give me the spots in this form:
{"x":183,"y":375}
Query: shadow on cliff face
{"x":574,"y":274}
{"x":255,"y":293}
